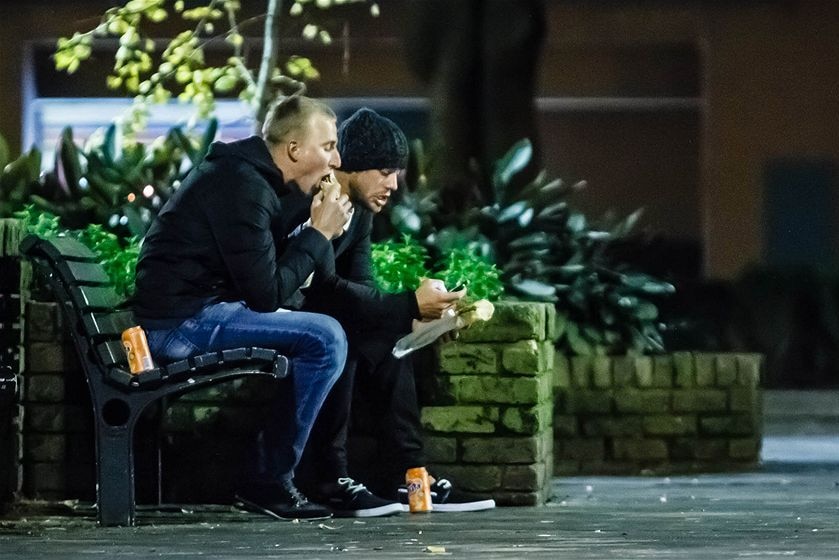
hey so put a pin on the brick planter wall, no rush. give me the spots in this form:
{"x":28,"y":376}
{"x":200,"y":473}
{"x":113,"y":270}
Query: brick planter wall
{"x":11,"y":361}
{"x":489,"y":422}
{"x":673,"y":413}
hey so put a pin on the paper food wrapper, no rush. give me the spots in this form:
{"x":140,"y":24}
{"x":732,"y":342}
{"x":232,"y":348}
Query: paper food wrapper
{"x":426,"y":333}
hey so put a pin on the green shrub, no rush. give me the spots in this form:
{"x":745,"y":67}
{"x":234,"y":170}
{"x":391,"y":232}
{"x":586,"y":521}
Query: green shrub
{"x":546,"y":251}
{"x":117,"y":256}
{"x":400,"y":265}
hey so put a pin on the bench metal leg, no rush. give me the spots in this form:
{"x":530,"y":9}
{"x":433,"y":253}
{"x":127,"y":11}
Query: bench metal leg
{"x":115,"y":471}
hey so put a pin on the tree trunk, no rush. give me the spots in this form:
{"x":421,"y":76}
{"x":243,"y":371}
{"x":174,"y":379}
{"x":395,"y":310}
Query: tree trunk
{"x":270,"y":54}
{"x":480,"y":60}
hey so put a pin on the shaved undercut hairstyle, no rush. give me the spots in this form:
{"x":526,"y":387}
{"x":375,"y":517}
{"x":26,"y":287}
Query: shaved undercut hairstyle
{"x":290,"y":114}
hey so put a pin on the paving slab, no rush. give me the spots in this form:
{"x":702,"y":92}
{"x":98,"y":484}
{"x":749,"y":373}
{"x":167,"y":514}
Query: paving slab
{"x":786,"y":509}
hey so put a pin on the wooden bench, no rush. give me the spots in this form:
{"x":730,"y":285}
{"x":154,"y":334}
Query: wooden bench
{"x":97,"y":317}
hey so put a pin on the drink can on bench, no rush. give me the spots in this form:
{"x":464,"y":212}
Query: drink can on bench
{"x":419,"y":490}
{"x":137,"y":349}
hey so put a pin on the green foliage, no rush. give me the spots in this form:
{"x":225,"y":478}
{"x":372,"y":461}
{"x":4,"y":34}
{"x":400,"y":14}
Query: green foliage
{"x":117,"y":256}
{"x":547,"y":251}
{"x":181,"y":69}
{"x":111,"y":181}
{"x":399,"y":265}
{"x":462,"y":267}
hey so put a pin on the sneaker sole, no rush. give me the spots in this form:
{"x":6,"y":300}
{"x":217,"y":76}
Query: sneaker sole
{"x":483,"y":505}
{"x":256,"y":508}
{"x":381,"y":511}
{"x":452,"y":508}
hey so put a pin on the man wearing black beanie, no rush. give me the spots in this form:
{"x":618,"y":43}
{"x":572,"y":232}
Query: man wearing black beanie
{"x":373,"y":152}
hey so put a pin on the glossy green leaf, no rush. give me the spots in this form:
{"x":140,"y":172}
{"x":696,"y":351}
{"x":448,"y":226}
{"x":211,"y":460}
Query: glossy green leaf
{"x":511,"y":163}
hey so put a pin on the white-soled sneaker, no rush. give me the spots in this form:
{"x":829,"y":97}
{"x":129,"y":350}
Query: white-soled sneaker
{"x":352,"y":499}
{"x":446,"y":498}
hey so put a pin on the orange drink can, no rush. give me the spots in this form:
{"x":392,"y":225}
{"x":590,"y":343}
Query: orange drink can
{"x":419,"y":490}
{"x":137,"y":349}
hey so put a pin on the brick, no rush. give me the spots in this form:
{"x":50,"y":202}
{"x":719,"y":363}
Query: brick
{"x":440,"y":449}
{"x":472,"y":478}
{"x":748,"y":369}
{"x":45,"y":388}
{"x":45,"y":418}
{"x":744,"y":449}
{"x":741,"y":425}
{"x":463,"y":419}
{"x":528,"y":420}
{"x":503,"y":390}
{"x":587,"y":401}
{"x":583,"y":449}
{"x":699,"y":400}
{"x":43,"y":322}
{"x":644,"y":371}
{"x":744,"y":399}
{"x":726,"y":370}
{"x":565,"y":425}
{"x":43,"y":477}
{"x":684,"y":366}
{"x":613,"y":426}
{"x":581,"y":371}
{"x":562,"y":372}
{"x":647,"y":401}
{"x":639,"y":449}
{"x":551,"y":322}
{"x":623,"y":370}
{"x":664,"y":425}
{"x":47,"y":357}
{"x":601,"y":371}
{"x":710,"y":448}
{"x":528,"y":356}
{"x":705,"y":369}
{"x":524,"y":477}
{"x":458,"y":357}
{"x":503,"y":450}
{"x":663,"y":371}
{"x":45,"y":448}
{"x":511,"y":321}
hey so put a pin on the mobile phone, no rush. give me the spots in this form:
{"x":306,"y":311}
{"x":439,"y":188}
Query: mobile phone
{"x":458,"y":288}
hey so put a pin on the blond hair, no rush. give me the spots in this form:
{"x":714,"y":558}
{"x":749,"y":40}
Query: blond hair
{"x":288,"y":115}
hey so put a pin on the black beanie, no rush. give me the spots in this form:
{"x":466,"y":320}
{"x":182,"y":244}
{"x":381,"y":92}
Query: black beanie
{"x":368,"y":140}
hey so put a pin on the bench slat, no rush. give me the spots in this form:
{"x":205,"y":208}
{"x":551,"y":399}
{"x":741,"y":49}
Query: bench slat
{"x":107,"y":325}
{"x":95,"y":298}
{"x":87,"y":273}
{"x":112,"y":353}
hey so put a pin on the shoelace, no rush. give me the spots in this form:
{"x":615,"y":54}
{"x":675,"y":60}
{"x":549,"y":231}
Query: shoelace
{"x":444,"y":483}
{"x":353,"y":487}
{"x":296,"y":495}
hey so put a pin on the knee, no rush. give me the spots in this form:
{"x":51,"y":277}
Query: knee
{"x":330,"y":341}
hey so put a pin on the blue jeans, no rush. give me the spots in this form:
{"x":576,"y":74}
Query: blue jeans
{"x":315,"y":345}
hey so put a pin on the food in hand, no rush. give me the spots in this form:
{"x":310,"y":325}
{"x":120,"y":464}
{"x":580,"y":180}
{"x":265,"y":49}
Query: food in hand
{"x":329,"y":187}
{"x":475,"y":311}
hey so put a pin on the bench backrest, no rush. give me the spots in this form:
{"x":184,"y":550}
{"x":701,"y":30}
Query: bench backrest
{"x":85,"y":290}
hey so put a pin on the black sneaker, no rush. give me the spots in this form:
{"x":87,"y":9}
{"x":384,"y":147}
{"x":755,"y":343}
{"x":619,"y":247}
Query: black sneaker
{"x":349,"y":498}
{"x":281,"y":500}
{"x":445,"y":498}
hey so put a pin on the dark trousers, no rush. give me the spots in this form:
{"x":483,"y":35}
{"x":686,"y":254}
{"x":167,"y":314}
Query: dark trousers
{"x":382,"y":389}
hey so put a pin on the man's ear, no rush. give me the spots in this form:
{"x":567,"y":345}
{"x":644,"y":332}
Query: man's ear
{"x":292,"y":150}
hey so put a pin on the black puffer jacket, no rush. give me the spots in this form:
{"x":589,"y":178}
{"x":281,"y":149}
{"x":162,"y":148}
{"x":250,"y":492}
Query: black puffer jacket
{"x":214,"y":239}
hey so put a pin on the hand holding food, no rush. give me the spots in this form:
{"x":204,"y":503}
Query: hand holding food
{"x":330,"y":209}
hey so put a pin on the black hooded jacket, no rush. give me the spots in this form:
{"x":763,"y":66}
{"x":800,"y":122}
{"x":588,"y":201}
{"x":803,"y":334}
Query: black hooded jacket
{"x":214,"y":239}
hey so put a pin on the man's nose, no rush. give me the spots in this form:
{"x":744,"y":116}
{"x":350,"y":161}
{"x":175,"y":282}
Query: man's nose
{"x":392,"y":181}
{"x":335,"y":160}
